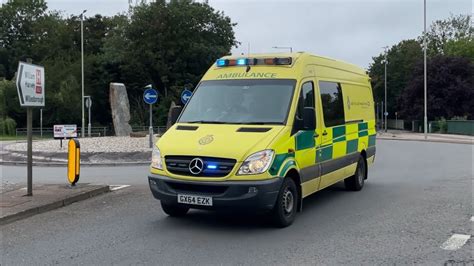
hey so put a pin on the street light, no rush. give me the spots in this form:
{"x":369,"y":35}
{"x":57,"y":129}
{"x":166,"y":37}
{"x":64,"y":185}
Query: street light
{"x":284,"y":47}
{"x":82,"y":73}
{"x":425,"y":118}
{"x":385,"y":114}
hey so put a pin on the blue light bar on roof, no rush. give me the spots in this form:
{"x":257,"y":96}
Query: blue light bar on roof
{"x":242,"y":62}
{"x":254,"y":61}
{"x":221,"y":62}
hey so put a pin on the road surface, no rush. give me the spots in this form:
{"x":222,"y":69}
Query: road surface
{"x":418,"y":196}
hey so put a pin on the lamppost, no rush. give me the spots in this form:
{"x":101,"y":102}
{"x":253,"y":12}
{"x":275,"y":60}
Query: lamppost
{"x":284,"y":47}
{"x":425,"y":118}
{"x":82,"y":73}
{"x":385,"y":114}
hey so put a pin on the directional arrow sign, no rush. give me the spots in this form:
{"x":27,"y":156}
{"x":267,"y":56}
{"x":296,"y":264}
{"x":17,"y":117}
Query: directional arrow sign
{"x":185,"y":96}
{"x":150,"y":96}
{"x":30,"y":84}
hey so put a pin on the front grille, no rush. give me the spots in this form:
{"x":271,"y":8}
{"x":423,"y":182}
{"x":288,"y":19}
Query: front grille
{"x":180,"y":165}
{"x":201,"y":189}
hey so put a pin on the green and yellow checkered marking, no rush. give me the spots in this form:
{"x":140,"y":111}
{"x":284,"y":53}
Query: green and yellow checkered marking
{"x":346,"y":139}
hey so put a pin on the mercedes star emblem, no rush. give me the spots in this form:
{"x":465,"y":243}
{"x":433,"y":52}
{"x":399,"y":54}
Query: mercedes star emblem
{"x":196,"y":166}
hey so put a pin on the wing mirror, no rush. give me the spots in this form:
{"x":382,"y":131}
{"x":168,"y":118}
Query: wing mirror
{"x":309,"y":118}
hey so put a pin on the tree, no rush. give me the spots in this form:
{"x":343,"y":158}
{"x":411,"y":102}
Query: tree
{"x":167,"y":44}
{"x":463,"y":47}
{"x":401,"y":58}
{"x":450,"y":85}
{"x":441,"y":32}
{"x":172,"y":44}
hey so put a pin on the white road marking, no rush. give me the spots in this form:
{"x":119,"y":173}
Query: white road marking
{"x":117,"y":187}
{"x":472,"y":218}
{"x":456,"y":241}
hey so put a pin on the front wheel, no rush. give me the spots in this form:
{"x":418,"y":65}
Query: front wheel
{"x":174,"y":210}
{"x":356,"y":182}
{"x":284,"y":211}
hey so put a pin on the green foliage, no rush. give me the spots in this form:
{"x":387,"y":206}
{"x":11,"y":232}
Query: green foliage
{"x":7,"y":126}
{"x":401,"y":58}
{"x":163,"y":44}
{"x":441,"y":32}
{"x":450,"y":89}
{"x":450,"y":71}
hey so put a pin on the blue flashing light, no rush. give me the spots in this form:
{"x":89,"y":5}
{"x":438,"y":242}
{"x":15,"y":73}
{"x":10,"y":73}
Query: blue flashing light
{"x":211,"y":166}
{"x":221,"y":62}
{"x":242,"y":61}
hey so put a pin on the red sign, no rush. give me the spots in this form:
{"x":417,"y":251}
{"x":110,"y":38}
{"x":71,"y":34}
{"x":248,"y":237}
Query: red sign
{"x":38,"y":85}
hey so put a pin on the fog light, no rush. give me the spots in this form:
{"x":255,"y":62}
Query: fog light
{"x":152,"y":182}
{"x":253,"y":190}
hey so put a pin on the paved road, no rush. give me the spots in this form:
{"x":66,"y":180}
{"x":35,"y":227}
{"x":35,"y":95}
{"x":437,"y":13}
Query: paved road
{"x":418,"y":196}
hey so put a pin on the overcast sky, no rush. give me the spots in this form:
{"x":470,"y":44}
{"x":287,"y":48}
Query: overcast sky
{"x":352,"y":31}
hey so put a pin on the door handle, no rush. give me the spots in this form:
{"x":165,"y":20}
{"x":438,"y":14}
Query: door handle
{"x":325,"y":133}
{"x":316,"y":135}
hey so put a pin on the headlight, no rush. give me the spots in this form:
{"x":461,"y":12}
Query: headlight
{"x":257,"y":163}
{"x":156,"y":159}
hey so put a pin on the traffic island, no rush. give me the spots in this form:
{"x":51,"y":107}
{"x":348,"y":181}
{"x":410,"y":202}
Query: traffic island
{"x":94,"y":151}
{"x":14,"y":205}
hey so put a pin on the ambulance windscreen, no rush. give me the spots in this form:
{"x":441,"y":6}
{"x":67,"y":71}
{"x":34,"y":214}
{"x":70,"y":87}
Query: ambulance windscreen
{"x":240,"y":102}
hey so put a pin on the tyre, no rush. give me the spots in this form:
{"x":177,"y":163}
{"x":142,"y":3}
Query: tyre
{"x":286,"y":205}
{"x":356,"y":182}
{"x":174,"y":210}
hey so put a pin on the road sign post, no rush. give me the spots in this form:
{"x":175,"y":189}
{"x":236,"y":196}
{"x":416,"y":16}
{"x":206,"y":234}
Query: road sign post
{"x":41,"y":122}
{"x":89,"y":106}
{"x":30,"y":89}
{"x":150,"y":96}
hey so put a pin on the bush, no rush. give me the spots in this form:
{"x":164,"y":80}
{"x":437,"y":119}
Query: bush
{"x":7,"y":126}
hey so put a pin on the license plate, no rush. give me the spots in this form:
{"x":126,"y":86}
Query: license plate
{"x":195,"y":200}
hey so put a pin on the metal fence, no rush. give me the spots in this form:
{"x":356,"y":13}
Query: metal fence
{"x":463,"y":127}
{"x":47,"y":132}
{"x":157,"y":130}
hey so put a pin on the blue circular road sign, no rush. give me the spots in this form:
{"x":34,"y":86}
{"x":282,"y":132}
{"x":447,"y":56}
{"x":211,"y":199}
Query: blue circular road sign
{"x":150,"y":96}
{"x":185,"y":95}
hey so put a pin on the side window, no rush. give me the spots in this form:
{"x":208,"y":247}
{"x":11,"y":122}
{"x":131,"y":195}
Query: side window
{"x":333,"y":103}
{"x":306,"y":100}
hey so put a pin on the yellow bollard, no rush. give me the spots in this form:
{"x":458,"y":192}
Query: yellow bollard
{"x":73,"y":161}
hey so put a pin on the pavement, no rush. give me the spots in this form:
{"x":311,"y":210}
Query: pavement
{"x":432,"y":137}
{"x":15,"y":205}
{"x":416,"y":208}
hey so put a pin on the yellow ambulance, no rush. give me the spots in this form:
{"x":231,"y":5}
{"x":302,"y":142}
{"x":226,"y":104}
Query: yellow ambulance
{"x":263,"y":132}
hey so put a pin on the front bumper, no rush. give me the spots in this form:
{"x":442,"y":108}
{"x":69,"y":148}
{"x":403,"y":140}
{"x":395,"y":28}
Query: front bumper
{"x":248,"y":195}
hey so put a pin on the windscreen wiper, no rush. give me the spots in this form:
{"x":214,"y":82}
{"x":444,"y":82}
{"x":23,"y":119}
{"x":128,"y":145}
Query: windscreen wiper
{"x":205,"y":122}
{"x":260,"y":123}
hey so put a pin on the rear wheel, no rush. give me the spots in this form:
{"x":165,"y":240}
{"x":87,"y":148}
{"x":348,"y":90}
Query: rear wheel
{"x":356,"y":182}
{"x":174,"y":210}
{"x":284,"y":211}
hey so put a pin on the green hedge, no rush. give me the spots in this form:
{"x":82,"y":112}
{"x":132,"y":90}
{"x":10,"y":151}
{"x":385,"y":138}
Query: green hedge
{"x":7,"y":126}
